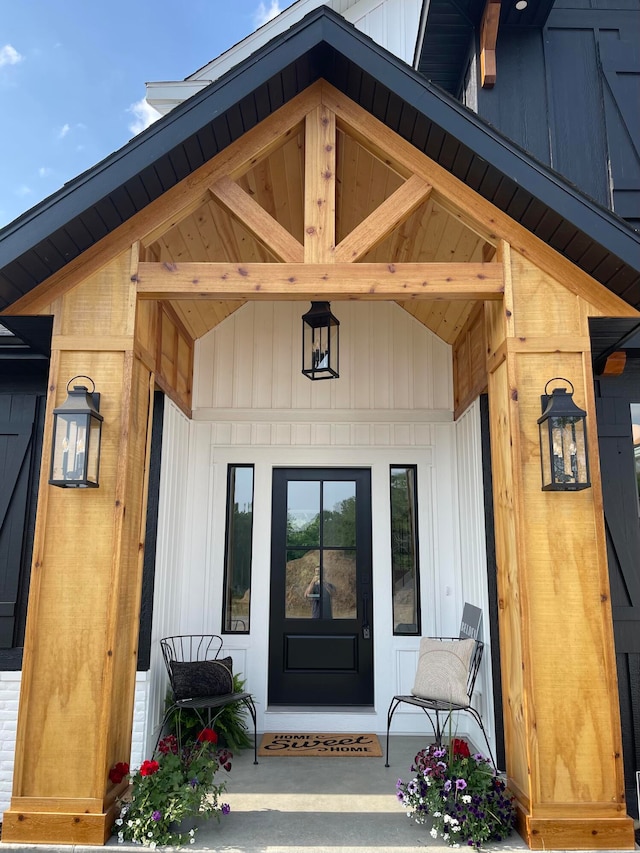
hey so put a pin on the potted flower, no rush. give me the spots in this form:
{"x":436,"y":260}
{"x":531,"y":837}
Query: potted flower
{"x":461,"y":794}
{"x":170,"y":794}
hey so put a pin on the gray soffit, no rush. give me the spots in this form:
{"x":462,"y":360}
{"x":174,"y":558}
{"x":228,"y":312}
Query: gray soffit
{"x":321,"y":45}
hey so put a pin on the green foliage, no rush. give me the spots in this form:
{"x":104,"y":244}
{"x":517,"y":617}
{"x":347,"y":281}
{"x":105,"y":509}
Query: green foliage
{"x":230,"y":724}
{"x":173,"y":786}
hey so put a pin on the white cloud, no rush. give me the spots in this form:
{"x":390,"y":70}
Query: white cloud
{"x":64,"y":130}
{"x":144,"y":116}
{"x":9,"y":55}
{"x":24,"y":191}
{"x":44,"y":171}
{"x":264,"y":14}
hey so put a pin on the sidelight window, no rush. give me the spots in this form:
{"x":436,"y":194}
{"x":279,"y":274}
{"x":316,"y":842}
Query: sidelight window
{"x":404,"y":550}
{"x":238,"y":549}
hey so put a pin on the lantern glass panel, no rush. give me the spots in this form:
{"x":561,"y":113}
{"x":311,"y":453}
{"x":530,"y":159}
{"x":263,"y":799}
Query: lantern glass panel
{"x":93,"y":457}
{"x":564,"y":456}
{"x":69,"y":447}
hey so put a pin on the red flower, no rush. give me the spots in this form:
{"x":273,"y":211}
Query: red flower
{"x":207,"y":736}
{"x":117,"y":773}
{"x":460,"y":747}
{"x":148,"y":768}
{"x":168,"y":744}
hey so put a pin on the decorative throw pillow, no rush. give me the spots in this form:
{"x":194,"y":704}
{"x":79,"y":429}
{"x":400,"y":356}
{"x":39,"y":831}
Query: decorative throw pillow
{"x":202,"y":678}
{"x":443,"y":670}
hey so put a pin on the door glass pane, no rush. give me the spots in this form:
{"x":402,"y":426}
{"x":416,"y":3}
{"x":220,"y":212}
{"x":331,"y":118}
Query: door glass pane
{"x":339,"y":514}
{"x":303,"y":513}
{"x":339,"y":578}
{"x":299,"y":578}
{"x":635,"y":422}
{"x":404,"y":551}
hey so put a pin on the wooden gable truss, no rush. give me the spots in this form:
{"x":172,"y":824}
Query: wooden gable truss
{"x":322,"y":201}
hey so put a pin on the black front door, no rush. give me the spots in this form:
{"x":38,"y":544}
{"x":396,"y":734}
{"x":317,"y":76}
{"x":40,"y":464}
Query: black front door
{"x":321,"y":632}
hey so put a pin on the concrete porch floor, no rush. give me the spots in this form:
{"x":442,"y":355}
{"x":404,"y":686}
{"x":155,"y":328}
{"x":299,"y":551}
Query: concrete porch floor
{"x":317,"y":805}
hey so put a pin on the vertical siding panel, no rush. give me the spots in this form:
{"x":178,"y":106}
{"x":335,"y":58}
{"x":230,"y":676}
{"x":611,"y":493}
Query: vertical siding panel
{"x":381,"y":334}
{"x":422,"y":367}
{"x":222,"y":369}
{"x":263,"y":354}
{"x":442,"y":373}
{"x":402,"y":361}
{"x":360,"y":359}
{"x":243,"y":358}
{"x":286,"y":361}
{"x":170,"y":553}
{"x":473,"y":548}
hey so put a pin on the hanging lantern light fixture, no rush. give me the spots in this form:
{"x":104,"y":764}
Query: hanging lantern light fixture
{"x":77,"y":428}
{"x":320,"y":342}
{"x":563,"y":441}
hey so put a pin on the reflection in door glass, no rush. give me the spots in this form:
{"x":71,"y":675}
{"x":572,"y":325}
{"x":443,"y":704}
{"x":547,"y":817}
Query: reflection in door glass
{"x":303,"y":513}
{"x":339,"y":514}
{"x":635,"y":425}
{"x":320,"y":575}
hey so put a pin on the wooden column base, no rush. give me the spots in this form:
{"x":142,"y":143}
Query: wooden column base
{"x":47,"y":827}
{"x":578,"y":832}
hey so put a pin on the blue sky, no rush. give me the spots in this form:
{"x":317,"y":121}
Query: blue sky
{"x":73,"y":74}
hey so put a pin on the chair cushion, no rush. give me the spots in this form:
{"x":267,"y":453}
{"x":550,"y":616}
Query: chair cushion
{"x":443,"y":670}
{"x":201,"y":678}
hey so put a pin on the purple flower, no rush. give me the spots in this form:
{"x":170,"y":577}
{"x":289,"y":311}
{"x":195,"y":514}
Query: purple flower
{"x":447,"y":785}
{"x":226,"y":808}
{"x":157,"y":815}
{"x":193,"y":783}
{"x":460,"y":784}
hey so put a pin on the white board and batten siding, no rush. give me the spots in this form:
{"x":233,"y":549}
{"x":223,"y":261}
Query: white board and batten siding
{"x":393,"y":24}
{"x":391,"y":405}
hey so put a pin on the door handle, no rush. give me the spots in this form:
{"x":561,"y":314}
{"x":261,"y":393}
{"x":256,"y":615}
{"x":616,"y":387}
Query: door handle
{"x":366,"y":629}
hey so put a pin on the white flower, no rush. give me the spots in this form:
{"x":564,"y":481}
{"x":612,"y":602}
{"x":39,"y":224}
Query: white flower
{"x":192,"y":832}
{"x":434,"y":832}
{"x":120,"y":837}
{"x":150,"y":834}
{"x":153,"y":845}
{"x":437,"y":814}
{"x":466,"y":799}
{"x":446,"y":818}
{"x":119,"y":822}
{"x":192,"y":841}
{"x":446,"y":836}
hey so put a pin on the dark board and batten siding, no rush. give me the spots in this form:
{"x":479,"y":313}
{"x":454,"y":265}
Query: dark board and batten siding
{"x":569,"y":95}
{"x":622,"y":524}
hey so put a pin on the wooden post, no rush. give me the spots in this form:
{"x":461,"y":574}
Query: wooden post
{"x":78,"y":677}
{"x":562,"y":725}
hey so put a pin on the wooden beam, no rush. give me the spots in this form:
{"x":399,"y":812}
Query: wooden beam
{"x":320,"y":186}
{"x":478,"y":214}
{"x":488,"y":40}
{"x":382,"y":221}
{"x":320,"y":281}
{"x":257,"y":221}
{"x":615,"y":364}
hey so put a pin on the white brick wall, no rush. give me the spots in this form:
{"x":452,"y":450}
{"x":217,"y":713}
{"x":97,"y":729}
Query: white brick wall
{"x":9,"y":698}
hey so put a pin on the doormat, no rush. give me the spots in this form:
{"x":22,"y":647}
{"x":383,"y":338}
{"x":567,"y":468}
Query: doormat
{"x":340,"y":744}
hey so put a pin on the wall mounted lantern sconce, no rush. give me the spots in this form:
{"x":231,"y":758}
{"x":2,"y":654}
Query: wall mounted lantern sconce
{"x":563,"y":441}
{"x":320,"y":342}
{"x":77,"y":428}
